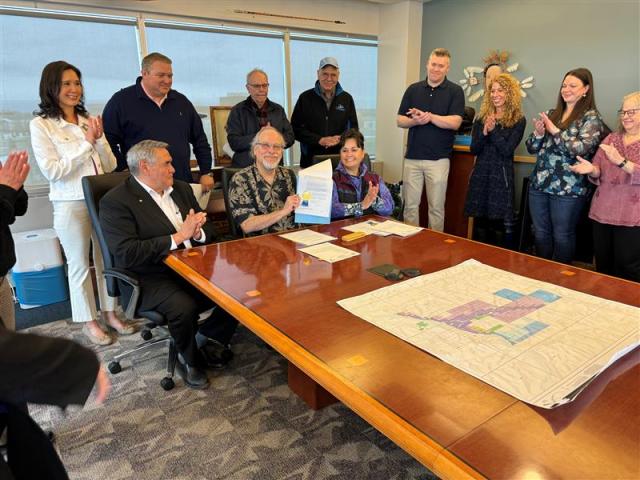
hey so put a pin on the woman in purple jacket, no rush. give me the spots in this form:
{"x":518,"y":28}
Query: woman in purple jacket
{"x":615,"y":207}
{"x":356,"y":190}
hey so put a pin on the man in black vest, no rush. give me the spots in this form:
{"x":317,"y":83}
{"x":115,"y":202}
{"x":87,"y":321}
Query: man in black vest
{"x":322,"y":114}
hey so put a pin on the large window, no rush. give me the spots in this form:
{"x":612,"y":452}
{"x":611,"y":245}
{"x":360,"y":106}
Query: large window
{"x":358,"y":76}
{"x":29,"y":43}
{"x":210,"y":64}
{"x":210,"y":68}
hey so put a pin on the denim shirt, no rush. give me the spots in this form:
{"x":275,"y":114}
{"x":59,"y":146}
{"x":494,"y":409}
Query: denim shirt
{"x":555,"y":153}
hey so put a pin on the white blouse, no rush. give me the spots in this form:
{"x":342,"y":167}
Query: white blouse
{"x":65,"y":156}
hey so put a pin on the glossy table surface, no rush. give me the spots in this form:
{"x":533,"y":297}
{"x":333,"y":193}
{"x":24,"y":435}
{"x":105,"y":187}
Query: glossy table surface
{"x":452,"y":422}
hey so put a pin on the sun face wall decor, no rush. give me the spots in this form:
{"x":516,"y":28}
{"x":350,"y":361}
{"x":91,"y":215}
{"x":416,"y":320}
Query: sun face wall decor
{"x":473,"y":83}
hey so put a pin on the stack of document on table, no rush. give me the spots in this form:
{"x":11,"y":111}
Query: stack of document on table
{"x":397,"y":228}
{"x":317,"y":245}
{"x":307,"y":237}
{"x":329,"y":252}
{"x":368,"y":227}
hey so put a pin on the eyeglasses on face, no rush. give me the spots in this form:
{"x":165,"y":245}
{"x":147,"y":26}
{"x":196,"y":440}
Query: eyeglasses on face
{"x":631,"y":112}
{"x":259,"y":85}
{"x":278,"y":147}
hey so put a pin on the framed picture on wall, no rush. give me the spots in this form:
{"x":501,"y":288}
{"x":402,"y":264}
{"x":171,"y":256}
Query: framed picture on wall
{"x":219,"y":116}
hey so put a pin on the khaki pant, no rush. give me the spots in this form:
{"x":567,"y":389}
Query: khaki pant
{"x":434,"y":174}
{"x":7,"y":307}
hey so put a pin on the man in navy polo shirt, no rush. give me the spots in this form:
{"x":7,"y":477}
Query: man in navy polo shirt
{"x":151,"y":110}
{"x":432,"y":111}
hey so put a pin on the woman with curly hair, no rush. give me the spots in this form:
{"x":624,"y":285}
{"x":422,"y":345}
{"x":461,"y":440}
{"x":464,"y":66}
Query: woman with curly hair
{"x":495,"y":135}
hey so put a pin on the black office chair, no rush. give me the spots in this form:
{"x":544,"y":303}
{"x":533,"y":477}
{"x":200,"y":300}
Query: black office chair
{"x":398,"y":200}
{"x":94,"y":188}
{"x":227,"y":173}
{"x":335,"y":160}
{"x":524,"y":222}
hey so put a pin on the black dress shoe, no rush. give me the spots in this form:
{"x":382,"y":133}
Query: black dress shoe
{"x":215,"y":354}
{"x":193,"y":376}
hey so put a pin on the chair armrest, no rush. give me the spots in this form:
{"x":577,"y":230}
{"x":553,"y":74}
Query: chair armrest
{"x":121,"y":274}
{"x":131,"y":279}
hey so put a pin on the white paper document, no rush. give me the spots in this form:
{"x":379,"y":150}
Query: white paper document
{"x":329,"y":252}
{"x":307,"y":237}
{"x":315,"y":186}
{"x":539,"y":342}
{"x":397,"y":228}
{"x":368,"y":227}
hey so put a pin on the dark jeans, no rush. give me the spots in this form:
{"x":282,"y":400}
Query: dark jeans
{"x":554,"y":220}
{"x":617,"y":250}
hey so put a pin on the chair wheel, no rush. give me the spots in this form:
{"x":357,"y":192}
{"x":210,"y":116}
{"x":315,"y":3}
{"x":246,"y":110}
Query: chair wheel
{"x":114,"y":367}
{"x":167,"y":383}
{"x":146,"y":334}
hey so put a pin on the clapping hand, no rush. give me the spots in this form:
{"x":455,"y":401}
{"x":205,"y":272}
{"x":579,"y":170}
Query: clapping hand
{"x":15,"y":170}
{"x":371,"y":195}
{"x":102,"y":386}
{"x":95,"y":129}
{"x":191,"y":226}
{"x":538,"y":127}
{"x":548,"y":124}
{"x":583,"y":167}
{"x":418,"y":116}
{"x":489,"y":124}
{"x":328,"y":142}
{"x":612,"y":154}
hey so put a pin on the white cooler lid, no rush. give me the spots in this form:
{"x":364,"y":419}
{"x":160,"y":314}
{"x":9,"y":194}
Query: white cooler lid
{"x":36,"y":250}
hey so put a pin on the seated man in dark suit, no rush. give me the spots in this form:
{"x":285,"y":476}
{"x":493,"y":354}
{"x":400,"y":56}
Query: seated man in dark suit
{"x":143,"y":219}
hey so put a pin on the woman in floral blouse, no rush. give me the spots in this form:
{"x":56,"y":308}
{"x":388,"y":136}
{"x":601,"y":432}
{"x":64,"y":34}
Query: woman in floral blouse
{"x":557,"y":195}
{"x":615,"y":208}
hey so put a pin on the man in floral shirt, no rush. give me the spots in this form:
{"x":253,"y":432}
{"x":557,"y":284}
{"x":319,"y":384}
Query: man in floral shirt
{"x":262,"y":197}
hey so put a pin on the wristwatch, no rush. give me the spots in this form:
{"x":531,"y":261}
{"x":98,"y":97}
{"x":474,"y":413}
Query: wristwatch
{"x":623,"y":163}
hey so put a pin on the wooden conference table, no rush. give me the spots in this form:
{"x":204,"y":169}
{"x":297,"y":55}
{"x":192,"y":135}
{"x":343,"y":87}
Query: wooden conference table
{"x":453,"y":423}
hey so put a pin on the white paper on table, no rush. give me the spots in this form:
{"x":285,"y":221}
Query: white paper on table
{"x":367,"y":227}
{"x":329,"y":252}
{"x":315,"y":186}
{"x":397,"y":228}
{"x":307,"y":237}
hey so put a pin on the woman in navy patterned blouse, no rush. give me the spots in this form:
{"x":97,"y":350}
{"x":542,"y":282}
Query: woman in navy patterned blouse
{"x":556,"y":194}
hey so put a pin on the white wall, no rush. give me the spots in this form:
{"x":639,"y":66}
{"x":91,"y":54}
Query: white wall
{"x":400,"y":30}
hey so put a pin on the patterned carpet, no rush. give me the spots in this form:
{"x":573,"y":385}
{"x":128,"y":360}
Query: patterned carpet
{"x":247,"y":425}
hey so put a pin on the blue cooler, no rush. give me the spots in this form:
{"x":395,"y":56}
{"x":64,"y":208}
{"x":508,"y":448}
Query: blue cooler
{"x":38,"y":274}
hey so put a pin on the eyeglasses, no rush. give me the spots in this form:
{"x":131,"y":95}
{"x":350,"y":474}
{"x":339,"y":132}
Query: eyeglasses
{"x":271,"y":146}
{"x":259,"y":85}
{"x":631,"y":113}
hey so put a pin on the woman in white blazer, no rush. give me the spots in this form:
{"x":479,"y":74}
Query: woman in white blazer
{"x":69,"y":144}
